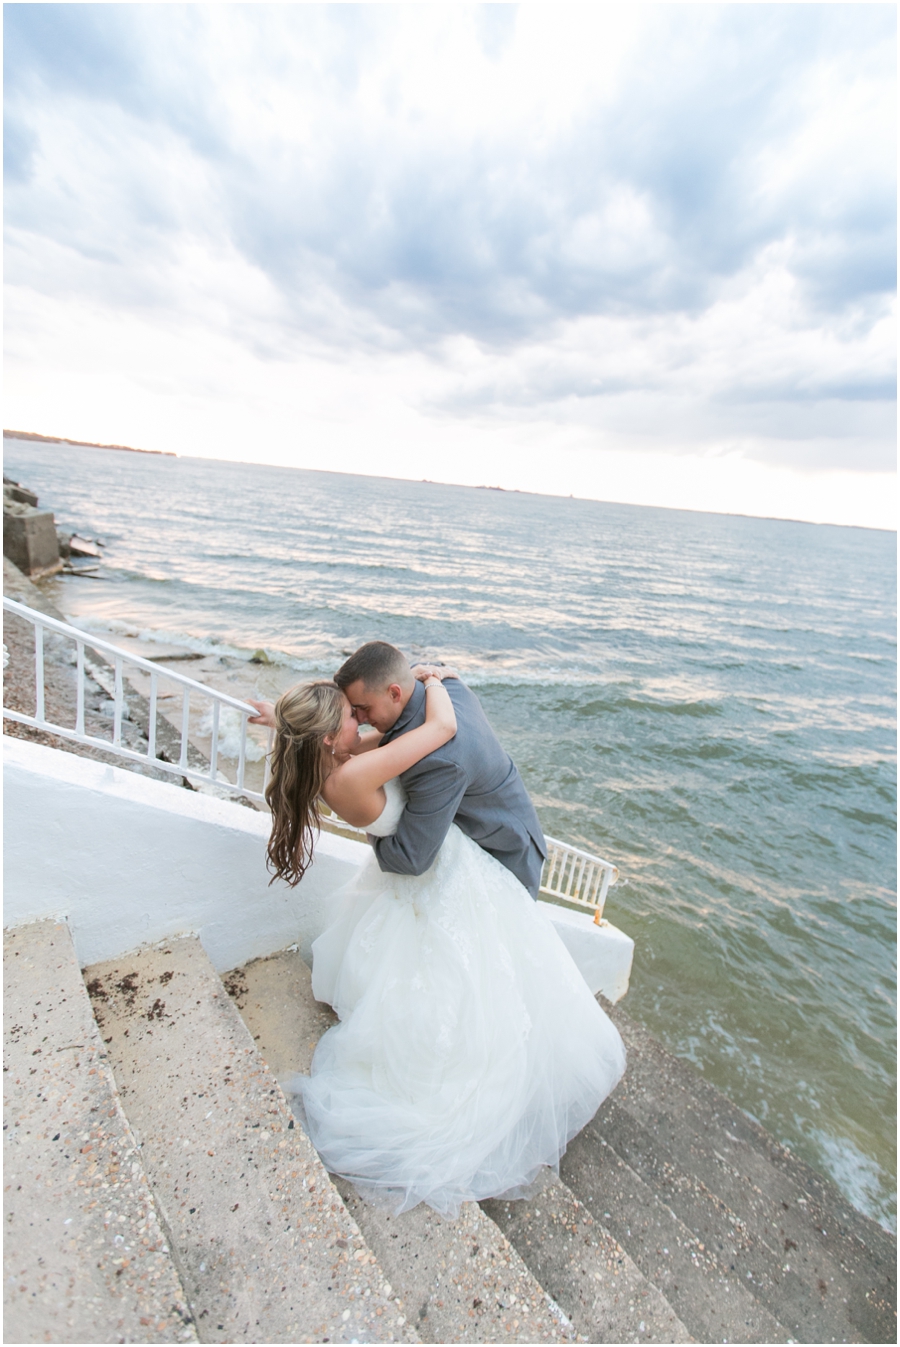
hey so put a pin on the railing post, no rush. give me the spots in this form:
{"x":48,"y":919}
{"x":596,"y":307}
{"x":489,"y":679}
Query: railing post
{"x":38,"y":671}
{"x":79,"y":711}
{"x":266,"y":771}
{"x":214,"y":746}
{"x":151,"y":728}
{"x":604,"y":889}
{"x":243,"y":750}
{"x":117,"y":705}
{"x":185,"y":726}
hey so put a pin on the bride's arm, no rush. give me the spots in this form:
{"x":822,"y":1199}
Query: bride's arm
{"x":354,"y":789}
{"x":371,"y":770}
{"x":367,"y":741}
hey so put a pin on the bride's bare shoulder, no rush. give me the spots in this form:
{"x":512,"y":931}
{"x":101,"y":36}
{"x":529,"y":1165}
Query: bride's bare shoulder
{"x":355,"y":802}
{"x":337,"y":784}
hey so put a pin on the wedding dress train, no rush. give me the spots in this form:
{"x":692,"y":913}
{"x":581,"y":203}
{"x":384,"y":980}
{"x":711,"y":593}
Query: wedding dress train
{"x":469,"y":1049}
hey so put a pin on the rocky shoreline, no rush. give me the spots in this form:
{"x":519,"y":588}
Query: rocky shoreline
{"x":45,"y":550}
{"x":33,"y":543}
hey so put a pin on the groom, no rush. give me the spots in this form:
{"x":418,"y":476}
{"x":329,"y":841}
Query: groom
{"x":471,"y":781}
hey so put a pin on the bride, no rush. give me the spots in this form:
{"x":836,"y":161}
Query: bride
{"x":469,"y":1049}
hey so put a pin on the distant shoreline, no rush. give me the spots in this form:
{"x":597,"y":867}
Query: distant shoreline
{"x":462,"y":486}
{"x":85,"y":444}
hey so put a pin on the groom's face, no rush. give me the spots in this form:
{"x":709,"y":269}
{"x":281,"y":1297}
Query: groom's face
{"x":379,"y":708}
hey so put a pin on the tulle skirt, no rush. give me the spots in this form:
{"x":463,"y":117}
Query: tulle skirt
{"x":469,"y":1049}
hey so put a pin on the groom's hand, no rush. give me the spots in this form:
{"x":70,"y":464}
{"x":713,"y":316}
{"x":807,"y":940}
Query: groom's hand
{"x":266,"y":714}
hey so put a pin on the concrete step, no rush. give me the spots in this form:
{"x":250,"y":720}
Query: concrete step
{"x":822,"y":1266}
{"x":266,"y":1248}
{"x":585,"y":1270}
{"x":726,"y":1229}
{"x":713,"y":1304}
{"x":85,"y":1256}
{"x":462,"y":1280}
{"x":824,"y":1270}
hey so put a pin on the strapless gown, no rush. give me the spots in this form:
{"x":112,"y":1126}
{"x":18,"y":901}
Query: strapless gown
{"x":469,"y":1050}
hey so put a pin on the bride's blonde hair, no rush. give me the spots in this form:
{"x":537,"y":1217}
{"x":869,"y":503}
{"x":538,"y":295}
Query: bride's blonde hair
{"x":304,"y":715}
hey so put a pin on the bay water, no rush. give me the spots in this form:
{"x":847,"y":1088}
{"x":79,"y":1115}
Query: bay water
{"x":708,"y":701}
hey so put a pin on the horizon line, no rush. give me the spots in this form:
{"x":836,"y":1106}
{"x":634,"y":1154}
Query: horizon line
{"x":36,"y":437}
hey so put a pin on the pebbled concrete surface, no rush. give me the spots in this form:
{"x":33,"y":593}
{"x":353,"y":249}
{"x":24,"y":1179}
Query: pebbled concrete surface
{"x":827,"y":1272}
{"x":266,"y":1249}
{"x":735,"y":1231}
{"x":748,"y":1212}
{"x":274,"y":996}
{"x":461,"y":1280}
{"x":713,"y":1306}
{"x":588,"y":1273}
{"x":85,"y":1258}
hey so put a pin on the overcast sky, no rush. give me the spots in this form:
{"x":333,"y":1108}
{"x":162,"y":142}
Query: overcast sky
{"x":631,"y":253}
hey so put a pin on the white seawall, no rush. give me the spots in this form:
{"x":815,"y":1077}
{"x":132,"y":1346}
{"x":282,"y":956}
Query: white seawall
{"x":128,"y":861}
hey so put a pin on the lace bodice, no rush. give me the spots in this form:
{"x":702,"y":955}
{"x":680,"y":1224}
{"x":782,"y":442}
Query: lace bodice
{"x":387,"y":820}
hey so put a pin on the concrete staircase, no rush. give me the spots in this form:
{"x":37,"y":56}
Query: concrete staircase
{"x":266,"y":1249}
{"x":87,"y":1258}
{"x":706,"y":1202}
{"x":157,"y":1188}
{"x":463,"y":1281}
{"x":676,"y":1218}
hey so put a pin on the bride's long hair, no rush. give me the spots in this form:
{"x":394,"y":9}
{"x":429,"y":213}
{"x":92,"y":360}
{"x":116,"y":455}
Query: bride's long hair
{"x":299,"y":767}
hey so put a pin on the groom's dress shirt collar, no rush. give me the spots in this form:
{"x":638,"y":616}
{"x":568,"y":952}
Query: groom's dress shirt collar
{"x":413,"y":707}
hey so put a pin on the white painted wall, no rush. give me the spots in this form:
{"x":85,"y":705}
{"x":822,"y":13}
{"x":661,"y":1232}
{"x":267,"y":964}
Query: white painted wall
{"x":603,"y":953}
{"x":127,"y":861}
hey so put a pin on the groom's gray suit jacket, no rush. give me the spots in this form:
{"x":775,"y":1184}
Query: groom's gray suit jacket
{"x":472,"y":781}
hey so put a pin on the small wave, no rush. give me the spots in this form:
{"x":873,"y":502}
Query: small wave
{"x":859,"y":1178}
{"x":552,"y":677}
{"x":209,"y":645}
{"x":605,"y":705}
{"x":230,"y":735}
{"x":867,"y":818}
{"x":673,"y":708}
{"x":124,"y":574}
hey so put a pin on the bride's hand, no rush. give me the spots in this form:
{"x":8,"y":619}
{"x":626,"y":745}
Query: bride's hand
{"x":266,"y":714}
{"x":441,"y":671}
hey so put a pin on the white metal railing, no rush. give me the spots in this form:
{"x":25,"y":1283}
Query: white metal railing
{"x":574,"y":876}
{"x":112,"y":681}
{"x":569,"y":874}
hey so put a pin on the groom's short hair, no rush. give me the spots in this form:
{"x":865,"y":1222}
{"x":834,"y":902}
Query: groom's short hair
{"x":376,"y":664}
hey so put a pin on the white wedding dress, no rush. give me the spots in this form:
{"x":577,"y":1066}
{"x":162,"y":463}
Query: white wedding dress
{"x":469,"y":1050}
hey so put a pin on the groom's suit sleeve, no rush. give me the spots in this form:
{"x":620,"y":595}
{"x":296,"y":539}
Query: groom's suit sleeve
{"x":434,"y":790}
